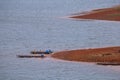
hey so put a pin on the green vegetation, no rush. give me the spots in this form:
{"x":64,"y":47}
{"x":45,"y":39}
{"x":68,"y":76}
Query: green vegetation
{"x":117,"y":14}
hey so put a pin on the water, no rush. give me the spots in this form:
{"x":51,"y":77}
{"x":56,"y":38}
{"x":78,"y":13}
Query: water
{"x":37,"y":24}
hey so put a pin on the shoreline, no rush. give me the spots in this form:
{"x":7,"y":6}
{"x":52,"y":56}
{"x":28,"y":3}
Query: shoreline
{"x":107,"y":54}
{"x":110,"y":14}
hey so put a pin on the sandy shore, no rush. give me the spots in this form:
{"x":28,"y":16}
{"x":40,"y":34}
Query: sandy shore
{"x":112,"y":14}
{"x":108,"y":54}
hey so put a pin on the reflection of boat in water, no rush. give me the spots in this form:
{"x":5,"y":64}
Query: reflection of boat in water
{"x":42,"y":52}
{"x":31,"y":56}
{"x":36,"y":54}
{"x":108,"y":63}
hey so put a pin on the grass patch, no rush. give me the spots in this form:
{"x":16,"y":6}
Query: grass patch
{"x":113,"y":15}
{"x":118,"y":8}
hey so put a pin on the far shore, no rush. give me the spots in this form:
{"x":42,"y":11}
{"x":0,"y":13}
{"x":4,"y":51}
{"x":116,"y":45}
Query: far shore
{"x":107,"y":54}
{"x":111,"y":14}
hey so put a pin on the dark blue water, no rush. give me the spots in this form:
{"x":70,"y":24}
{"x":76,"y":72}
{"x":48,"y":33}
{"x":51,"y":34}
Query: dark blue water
{"x":26,"y":25}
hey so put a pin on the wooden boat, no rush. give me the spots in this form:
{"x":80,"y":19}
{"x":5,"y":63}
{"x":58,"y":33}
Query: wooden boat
{"x":38,"y":52}
{"x":31,"y":56}
{"x":41,"y":52}
{"x":108,"y":63}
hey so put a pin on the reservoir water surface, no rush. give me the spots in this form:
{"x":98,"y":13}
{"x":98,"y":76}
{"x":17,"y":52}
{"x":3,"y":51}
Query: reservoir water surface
{"x":26,"y":25}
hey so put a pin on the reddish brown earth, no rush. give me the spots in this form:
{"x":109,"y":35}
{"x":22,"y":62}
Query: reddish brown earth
{"x":112,"y":14}
{"x":108,"y":54}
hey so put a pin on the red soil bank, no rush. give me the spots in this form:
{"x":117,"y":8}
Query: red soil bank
{"x":112,"y":14}
{"x":108,"y":54}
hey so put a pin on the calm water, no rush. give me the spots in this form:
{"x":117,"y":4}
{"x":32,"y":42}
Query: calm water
{"x":26,"y":25}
